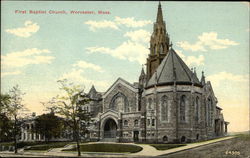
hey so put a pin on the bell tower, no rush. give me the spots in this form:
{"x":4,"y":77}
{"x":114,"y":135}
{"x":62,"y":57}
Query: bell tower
{"x":159,"y":44}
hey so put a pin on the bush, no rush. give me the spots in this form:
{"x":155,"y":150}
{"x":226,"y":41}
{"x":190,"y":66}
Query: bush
{"x":102,"y":147}
{"x":166,"y":146}
{"x":48,"y":146}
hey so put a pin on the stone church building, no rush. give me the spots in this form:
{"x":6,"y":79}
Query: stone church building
{"x":169,"y":103}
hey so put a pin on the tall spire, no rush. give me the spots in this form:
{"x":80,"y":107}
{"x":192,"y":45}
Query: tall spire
{"x":142,"y":78}
{"x":159,"y":44}
{"x":159,"y":18}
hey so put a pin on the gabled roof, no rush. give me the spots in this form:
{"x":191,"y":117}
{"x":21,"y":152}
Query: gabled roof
{"x":123,"y":82}
{"x":172,"y":68}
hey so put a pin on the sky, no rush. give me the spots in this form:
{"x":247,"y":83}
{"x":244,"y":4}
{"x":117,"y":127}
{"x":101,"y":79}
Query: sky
{"x":44,"y":41}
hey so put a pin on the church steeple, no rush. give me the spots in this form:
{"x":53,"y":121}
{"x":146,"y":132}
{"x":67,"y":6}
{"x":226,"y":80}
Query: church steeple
{"x":159,"y":44}
{"x":159,"y":18}
{"x":142,"y":78}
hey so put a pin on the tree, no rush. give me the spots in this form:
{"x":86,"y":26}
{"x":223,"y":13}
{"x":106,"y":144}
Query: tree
{"x":12,"y":109}
{"x":48,"y":125}
{"x":4,"y":102}
{"x":5,"y":123}
{"x":70,"y":106}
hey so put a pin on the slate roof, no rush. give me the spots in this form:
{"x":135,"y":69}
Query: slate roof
{"x":172,"y":68}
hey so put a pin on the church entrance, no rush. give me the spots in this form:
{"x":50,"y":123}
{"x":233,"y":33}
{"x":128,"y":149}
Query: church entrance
{"x":110,"y":129}
{"x":136,"y":136}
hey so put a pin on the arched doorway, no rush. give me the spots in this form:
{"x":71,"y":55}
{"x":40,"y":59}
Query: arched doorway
{"x":110,"y":129}
{"x":183,"y":139}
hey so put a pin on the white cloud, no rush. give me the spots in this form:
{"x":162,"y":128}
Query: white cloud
{"x":77,"y":76}
{"x":134,"y":50}
{"x":193,"y":47}
{"x":86,"y":65}
{"x":26,"y":57}
{"x":205,"y":41}
{"x":26,"y":31}
{"x":138,"y":36}
{"x":191,"y":60}
{"x":128,"y":50}
{"x":10,"y":73}
{"x":195,"y":60}
{"x":93,"y":25}
{"x":130,"y":22}
{"x":216,"y":79}
{"x":114,"y":24}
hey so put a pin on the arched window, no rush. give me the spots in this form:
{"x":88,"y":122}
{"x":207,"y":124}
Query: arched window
{"x":183,"y":108}
{"x":136,"y":123}
{"x":150,"y":103}
{"x":125,"y":123}
{"x":165,"y":139}
{"x":197,"y":109}
{"x":209,"y":108}
{"x":155,"y":49}
{"x":197,"y":136}
{"x":164,"y":110}
{"x":183,"y":139}
{"x":119,"y":102}
{"x":161,"y":49}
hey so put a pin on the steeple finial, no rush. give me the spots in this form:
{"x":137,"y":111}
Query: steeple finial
{"x":203,"y":81}
{"x":159,"y":14}
{"x":142,"y":70}
{"x":195,"y":71}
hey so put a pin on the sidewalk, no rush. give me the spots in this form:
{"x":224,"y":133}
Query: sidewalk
{"x":147,"y":151}
{"x":154,"y":152}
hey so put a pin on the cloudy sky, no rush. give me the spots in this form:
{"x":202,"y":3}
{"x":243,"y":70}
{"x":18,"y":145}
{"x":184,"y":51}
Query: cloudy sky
{"x":39,"y":49}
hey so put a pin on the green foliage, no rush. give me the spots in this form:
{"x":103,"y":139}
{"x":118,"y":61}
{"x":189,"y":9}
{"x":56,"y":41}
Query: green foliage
{"x":15,"y":102}
{"x":48,"y":125}
{"x":20,"y":144}
{"x":70,"y":106}
{"x":102,"y":147}
{"x":4,"y":102}
{"x":48,"y":146}
{"x":166,"y":146}
{"x":6,"y":128}
{"x":11,"y":106}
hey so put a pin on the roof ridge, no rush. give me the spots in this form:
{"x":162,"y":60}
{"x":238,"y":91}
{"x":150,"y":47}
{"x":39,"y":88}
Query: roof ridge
{"x":165,"y":61}
{"x":183,"y":65}
{"x":174,"y":73}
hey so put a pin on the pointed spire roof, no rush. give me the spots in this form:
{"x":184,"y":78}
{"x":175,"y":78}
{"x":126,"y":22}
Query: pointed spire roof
{"x":159,"y":18}
{"x":203,"y":81}
{"x":142,"y":72}
{"x":92,"y":89}
{"x":172,"y":69}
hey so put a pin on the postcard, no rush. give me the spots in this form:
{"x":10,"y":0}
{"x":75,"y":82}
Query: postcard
{"x":124,"y":78}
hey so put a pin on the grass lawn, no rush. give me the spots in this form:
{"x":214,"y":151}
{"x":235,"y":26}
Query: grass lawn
{"x":244,"y":137}
{"x":166,"y":146}
{"x":102,"y":147}
{"x":20,"y":144}
{"x":48,"y":146}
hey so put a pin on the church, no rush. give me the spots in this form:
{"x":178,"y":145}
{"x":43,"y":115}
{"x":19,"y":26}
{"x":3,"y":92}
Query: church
{"x":168,"y":103}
